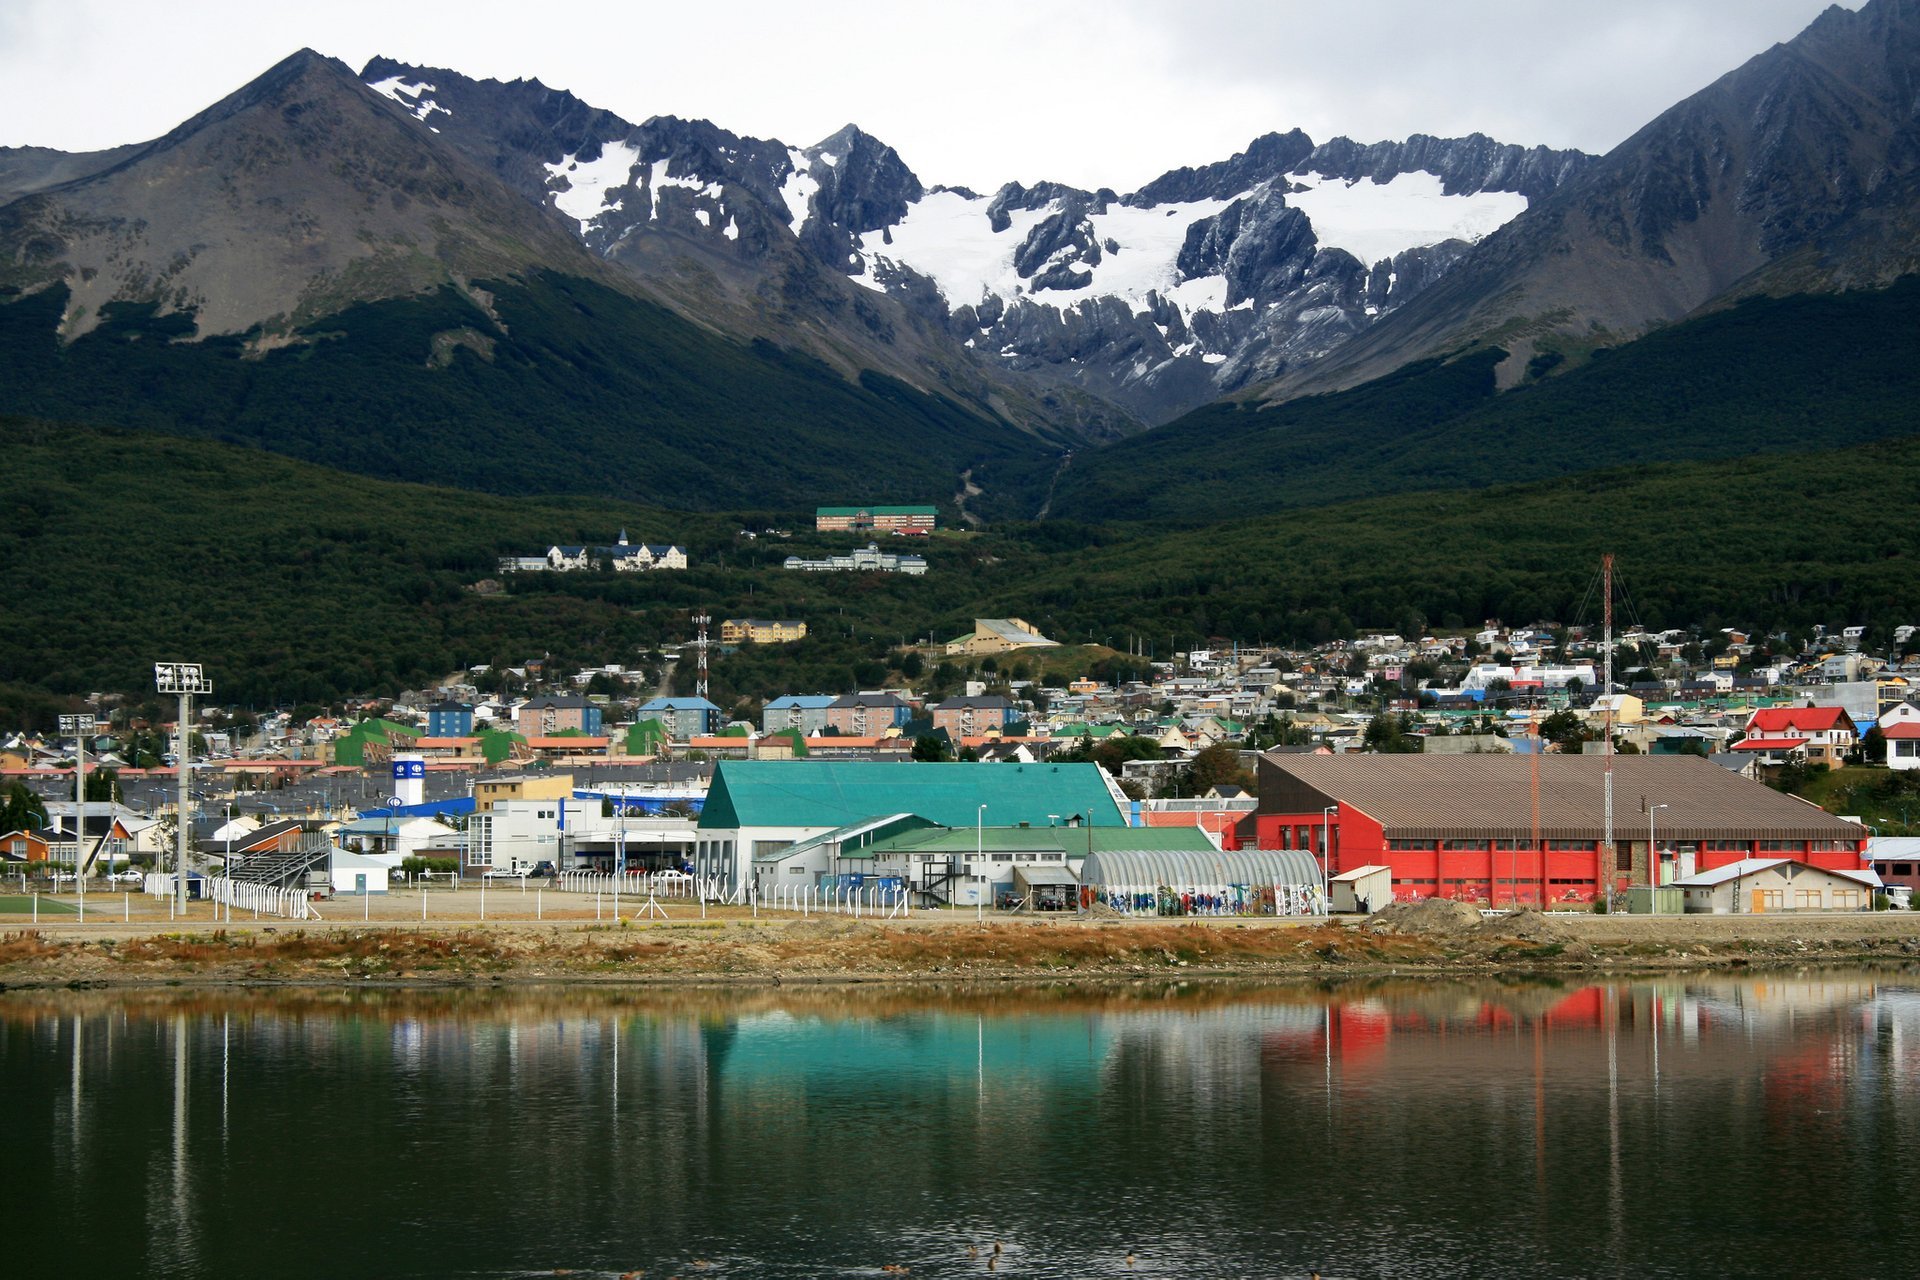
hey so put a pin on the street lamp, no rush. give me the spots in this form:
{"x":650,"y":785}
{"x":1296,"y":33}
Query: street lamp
{"x":184,"y":679}
{"x":979,"y":856}
{"x":1326,"y":858}
{"x":79,"y":726}
{"x":1653,"y":856}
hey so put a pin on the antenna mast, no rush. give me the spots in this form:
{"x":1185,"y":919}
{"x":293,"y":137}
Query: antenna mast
{"x":1606,"y":610}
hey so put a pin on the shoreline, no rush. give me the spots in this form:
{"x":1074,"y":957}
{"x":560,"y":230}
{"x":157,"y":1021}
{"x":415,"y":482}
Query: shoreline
{"x":1438,"y":940}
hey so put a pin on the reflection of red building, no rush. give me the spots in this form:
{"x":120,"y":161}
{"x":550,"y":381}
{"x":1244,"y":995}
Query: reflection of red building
{"x":1511,"y":828}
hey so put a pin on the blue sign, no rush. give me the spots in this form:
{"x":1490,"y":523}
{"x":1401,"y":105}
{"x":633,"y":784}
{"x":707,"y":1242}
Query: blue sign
{"x":409,"y":769}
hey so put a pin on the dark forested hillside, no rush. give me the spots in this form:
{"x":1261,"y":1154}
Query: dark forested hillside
{"x":575,"y":388}
{"x":294,"y":582}
{"x":1790,"y":374}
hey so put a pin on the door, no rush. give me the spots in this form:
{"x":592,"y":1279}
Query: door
{"x":1759,"y":902}
{"x":359,"y":882}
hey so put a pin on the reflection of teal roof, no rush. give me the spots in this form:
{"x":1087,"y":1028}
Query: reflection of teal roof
{"x":833,"y":793}
{"x":880,"y":1054}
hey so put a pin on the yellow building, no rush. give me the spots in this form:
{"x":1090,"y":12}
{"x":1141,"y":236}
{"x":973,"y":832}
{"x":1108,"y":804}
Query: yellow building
{"x":760,"y":631}
{"x":999,"y":635}
{"x":532,"y":786}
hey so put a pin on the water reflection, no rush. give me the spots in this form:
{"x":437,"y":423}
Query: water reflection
{"x":1684,"y":1127}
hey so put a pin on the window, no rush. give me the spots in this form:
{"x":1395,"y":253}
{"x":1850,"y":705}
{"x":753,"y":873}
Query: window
{"x":796,"y":871}
{"x":1463,"y":844}
{"x":1846,"y":899}
{"x":1510,"y":846}
{"x":1405,"y":844}
{"x":1726,"y":846}
{"x":1780,"y":846}
{"x":1623,"y":857}
{"x":1806,"y":900}
{"x":1571,"y":846}
{"x":1771,"y":899}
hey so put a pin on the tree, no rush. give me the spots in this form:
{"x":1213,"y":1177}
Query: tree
{"x":1565,"y":730}
{"x":932,"y":748}
{"x":1215,"y":766}
{"x":22,"y":810}
{"x":103,"y":785}
{"x":1873,"y":747}
{"x":1390,"y":735}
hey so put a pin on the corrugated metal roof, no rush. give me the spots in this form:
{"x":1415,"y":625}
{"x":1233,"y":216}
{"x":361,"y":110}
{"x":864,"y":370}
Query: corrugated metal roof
{"x":1491,"y":796}
{"x":1214,"y":867}
{"x":832,"y":793}
{"x":1072,"y":842}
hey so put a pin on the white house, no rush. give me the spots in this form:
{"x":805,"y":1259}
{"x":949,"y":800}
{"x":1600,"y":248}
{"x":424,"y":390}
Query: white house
{"x":1900,"y":726}
{"x":1764,"y":886}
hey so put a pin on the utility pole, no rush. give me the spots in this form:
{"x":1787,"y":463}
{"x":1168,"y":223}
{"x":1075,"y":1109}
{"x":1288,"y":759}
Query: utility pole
{"x":1606,"y":838}
{"x":80,"y":726}
{"x":184,"y":679}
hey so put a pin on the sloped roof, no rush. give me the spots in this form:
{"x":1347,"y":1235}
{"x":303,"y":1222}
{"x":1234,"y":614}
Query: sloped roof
{"x":1057,"y":841}
{"x":823,"y":793}
{"x":1748,"y":866}
{"x":1799,"y":719}
{"x":1491,"y":796}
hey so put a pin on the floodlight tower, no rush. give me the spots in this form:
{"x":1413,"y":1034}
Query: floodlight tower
{"x":81,"y":727}
{"x":184,"y":679}
{"x":701,"y":620}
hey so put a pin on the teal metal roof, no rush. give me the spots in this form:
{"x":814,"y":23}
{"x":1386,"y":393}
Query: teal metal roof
{"x":856,"y":834}
{"x":1069,"y":842}
{"x":833,"y":793}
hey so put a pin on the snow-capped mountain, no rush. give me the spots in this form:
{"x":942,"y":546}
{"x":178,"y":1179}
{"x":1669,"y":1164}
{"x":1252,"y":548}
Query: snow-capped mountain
{"x":1200,"y":282}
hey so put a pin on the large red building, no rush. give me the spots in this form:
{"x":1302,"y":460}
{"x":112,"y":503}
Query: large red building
{"x":1511,"y":828}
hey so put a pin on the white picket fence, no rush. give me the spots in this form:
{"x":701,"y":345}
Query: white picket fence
{"x":842,"y":900}
{"x":289,"y":904}
{"x":643,"y":885}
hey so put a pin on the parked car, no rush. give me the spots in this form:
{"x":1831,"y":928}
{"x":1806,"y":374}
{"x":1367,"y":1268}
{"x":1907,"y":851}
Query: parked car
{"x":129,"y":876}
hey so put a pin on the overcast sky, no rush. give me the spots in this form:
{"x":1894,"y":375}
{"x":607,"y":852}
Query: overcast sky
{"x":975,"y":93}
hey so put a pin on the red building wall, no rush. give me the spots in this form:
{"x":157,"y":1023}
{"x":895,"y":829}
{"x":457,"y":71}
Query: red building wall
{"x":1503,"y":876}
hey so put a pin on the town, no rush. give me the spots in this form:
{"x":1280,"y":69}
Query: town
{"x":1494,"y":767}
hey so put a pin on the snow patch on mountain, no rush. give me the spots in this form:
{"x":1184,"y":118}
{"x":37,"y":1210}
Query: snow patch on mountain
{"x":411,"y":96}
{"x":585,"y":196}
{"x":948,"y":237}
{"x":798,"y":188}
{"x":658,"y":179}
{"x":1376,"y":220}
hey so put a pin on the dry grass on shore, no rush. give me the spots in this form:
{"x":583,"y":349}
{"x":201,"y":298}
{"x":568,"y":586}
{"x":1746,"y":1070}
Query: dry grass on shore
{"x":835,"y":948}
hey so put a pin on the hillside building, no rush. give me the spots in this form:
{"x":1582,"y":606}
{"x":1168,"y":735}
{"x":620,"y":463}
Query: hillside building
{"x":999,"y":635}
{"x":868,"y":559}
{"x":761,"y":631}
{"x":903,"y":520}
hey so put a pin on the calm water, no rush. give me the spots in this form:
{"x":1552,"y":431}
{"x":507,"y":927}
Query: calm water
{"x":1698,"y":1128}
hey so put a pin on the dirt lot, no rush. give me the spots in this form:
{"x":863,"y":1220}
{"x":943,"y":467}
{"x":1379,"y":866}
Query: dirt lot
{"x":730,"y":945}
